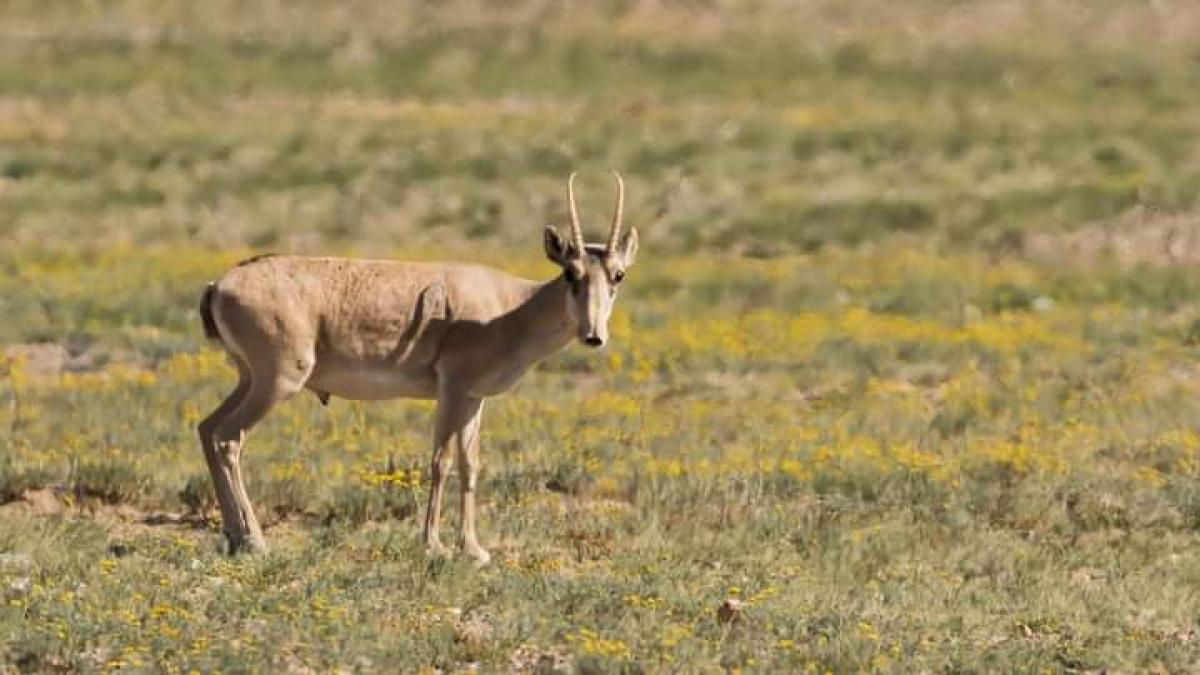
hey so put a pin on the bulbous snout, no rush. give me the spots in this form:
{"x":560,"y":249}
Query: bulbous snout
{"x":593,"y":340}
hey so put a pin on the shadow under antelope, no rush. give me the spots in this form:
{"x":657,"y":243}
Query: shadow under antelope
{"x":375,"y":330}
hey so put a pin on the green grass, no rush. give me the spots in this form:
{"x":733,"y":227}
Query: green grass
{"x":882,"y":372}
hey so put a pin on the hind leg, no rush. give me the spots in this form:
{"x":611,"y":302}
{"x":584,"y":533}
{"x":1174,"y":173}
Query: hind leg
{"x":270,"y":384}
{"x":265,"y":392}
{"x":222,"y":483}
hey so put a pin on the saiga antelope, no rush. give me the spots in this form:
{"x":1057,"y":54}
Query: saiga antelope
{"x":372,"y":330}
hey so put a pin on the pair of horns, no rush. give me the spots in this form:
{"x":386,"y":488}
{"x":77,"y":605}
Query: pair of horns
{"x":577,"y":230}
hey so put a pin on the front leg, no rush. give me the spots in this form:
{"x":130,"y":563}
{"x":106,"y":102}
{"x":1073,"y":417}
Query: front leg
{"x":468,"y":473}
{"x":455,"y":429}
{"x":439,"y":471}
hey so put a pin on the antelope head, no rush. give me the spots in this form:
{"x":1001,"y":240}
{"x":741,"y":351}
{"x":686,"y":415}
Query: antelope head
{"x":593,"y":271}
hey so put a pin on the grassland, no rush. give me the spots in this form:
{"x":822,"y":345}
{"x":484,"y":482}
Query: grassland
{"x":907,"y":364}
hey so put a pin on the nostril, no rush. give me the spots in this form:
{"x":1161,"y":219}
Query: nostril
{"x":593,"y":340}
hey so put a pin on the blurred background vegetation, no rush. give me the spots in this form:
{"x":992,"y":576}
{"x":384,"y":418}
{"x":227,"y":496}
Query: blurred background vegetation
{"x":760,"y":127}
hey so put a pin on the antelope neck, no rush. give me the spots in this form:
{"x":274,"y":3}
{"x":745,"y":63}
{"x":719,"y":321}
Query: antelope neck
{"x":542,"y":323}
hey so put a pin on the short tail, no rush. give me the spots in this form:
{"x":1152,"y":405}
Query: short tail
{"x":206,"y":314}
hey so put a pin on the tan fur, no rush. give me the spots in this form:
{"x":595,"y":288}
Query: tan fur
{"x":374,"y":329}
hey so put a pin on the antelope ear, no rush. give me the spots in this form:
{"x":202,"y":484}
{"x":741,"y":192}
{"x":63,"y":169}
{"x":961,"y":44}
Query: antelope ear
{"x":629,"y":246}
{"x":557,"y":249}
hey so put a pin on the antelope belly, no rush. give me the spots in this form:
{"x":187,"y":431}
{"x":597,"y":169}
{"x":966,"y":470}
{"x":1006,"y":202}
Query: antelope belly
{"x":367,"y":383}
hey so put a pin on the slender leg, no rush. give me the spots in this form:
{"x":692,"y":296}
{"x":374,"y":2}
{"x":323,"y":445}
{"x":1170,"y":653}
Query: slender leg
{"x":241,"y":525}
{"x":468,"y":472}
{"x":221,"y":481}
{"x":439,"y":471}
{"x":454,"y":416}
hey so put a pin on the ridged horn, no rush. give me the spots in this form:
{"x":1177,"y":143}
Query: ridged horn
{"x":573,"y":211}
{"x":618,"y":212}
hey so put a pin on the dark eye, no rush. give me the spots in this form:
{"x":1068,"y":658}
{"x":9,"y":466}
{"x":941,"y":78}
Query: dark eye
{"x":618,"y":276}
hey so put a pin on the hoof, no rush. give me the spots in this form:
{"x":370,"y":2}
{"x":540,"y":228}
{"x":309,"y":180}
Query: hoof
{"x":245,"y":545}
{"x":435,"y":549}
{"x":478,"y":555}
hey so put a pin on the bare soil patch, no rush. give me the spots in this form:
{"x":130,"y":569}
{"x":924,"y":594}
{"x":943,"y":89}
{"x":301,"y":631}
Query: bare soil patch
{"x":1141,"y":236}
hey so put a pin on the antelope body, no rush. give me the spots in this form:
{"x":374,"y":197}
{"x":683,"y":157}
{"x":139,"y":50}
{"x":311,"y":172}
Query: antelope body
{"x":373,"y":329}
